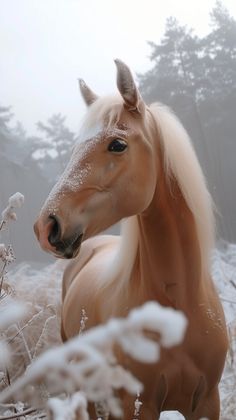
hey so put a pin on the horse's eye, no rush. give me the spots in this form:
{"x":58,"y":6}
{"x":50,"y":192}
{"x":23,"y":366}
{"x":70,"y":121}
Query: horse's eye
{"x":117,"y":146}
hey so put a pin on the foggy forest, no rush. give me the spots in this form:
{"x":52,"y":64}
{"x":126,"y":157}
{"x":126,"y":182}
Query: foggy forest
{"x":196,"y":77}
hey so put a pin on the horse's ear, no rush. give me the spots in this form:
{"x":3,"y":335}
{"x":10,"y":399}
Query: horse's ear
{"x":88,"y":95}
{"x":128,"y":88}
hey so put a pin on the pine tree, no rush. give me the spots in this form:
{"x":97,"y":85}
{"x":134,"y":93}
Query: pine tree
{"x":220,"y":61}
{"x":5,"y":117}
{"x":177,"y":79}
{"x":174,"y":77}
{"x":60,"y":138}
{"x":197,"y":78}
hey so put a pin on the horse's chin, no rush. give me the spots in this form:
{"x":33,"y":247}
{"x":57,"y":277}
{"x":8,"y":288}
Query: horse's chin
{"x":66,"y":256}
{"x":76,"y":252}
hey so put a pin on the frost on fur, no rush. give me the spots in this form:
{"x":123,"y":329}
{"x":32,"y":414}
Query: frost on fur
{"x":87,"y":363}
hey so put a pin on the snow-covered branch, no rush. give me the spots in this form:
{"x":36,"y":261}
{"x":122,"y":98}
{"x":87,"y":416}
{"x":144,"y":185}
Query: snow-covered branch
{"x":15,"y":201}
{"x":6,"y":252}
{"x":87,"y":362}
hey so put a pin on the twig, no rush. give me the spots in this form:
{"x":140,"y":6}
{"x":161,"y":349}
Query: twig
{"x":2,"y":276}
{"x":19,"y":330}
{"x":8,"y":377}
{"x":25,"y":344}
{"x":37,"y":346}
{"x":233,"y":284}
{"x":21,"y":414}
{"x":2,"y":223}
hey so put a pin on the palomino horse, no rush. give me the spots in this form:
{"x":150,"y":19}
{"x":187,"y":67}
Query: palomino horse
{"x":136,"y":164}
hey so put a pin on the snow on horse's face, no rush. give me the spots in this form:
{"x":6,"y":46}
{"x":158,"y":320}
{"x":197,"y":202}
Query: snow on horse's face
{"x":111,"y":174}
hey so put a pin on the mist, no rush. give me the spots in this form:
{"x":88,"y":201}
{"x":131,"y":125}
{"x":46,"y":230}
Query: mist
{"x":180,"y":57}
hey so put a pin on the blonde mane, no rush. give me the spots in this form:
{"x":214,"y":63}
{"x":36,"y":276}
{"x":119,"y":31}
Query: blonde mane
{"x":182,"y":163}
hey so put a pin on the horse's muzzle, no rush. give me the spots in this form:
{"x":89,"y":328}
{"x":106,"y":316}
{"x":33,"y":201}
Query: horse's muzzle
{"x":66,"y":247}
{"x":61,"y":245}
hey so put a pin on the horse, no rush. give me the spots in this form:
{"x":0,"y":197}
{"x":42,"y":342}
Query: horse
{"x":135,"y":163}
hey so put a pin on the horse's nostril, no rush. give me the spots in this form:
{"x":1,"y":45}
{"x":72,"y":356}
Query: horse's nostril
{"x":55,"y":233}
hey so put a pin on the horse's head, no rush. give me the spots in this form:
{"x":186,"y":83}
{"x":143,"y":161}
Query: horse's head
{"x":111,"y":174}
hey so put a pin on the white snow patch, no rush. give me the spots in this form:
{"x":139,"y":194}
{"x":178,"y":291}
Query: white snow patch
{"x":71,"y":408}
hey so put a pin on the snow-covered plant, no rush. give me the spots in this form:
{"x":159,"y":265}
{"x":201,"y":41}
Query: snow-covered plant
{"x":6,"y":251}
{"x":40,"y":290}
{"x":15,"y":201}
{"x":87,"y":363}
{"x":10,"y":313}
{"x":137,"y":407}
{"x":83,"y":321}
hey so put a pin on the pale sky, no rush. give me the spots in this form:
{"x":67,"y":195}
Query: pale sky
{"x":45,"y":45}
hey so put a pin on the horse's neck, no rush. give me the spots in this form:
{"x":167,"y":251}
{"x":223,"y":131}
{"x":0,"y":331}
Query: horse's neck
{"x":168,"y":258}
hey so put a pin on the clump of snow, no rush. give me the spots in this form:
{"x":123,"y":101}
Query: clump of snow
{"x":71,"y":408}
{"x":15,"y":201}
{"x":172,"y":415}
{"x":169,"y":323}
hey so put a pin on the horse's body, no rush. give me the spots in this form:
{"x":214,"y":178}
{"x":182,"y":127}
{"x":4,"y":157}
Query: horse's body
{"x":137,"y":163}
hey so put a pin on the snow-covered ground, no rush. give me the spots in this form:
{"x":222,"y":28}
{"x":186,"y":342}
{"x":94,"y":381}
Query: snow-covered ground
{"x":41,"y":289}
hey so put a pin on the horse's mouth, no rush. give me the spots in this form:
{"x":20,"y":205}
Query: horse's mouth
{"x":69,"y":249}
